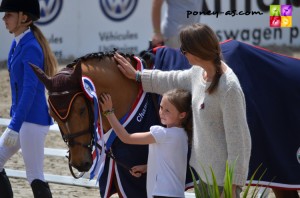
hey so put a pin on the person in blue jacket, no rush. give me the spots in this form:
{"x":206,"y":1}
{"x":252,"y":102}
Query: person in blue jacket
{"x":30,"y":120}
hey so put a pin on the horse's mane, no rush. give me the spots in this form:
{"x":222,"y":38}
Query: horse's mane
{"x":100,"y":56}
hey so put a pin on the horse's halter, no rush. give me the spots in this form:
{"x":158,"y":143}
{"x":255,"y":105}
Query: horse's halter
{"x":69,"y":139}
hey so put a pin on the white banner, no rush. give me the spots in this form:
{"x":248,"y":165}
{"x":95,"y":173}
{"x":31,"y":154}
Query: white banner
{"x":76,"y":27}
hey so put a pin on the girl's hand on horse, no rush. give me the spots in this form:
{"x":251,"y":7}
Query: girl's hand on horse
{"x":106,"y":102}
{"x":125,"y":67}
{"x":137,"y":171}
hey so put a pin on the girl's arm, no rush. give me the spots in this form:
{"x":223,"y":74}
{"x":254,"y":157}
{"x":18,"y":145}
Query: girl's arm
{"x":30,"y":86}
{"x":135,"y":138}
{"x":157,"y":38}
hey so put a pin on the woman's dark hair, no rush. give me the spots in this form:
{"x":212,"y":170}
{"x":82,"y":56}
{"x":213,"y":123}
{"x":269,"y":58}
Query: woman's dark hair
{"x":182,"y":100}
{"x":201,"y":41}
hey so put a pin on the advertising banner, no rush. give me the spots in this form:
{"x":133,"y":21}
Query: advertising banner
{"x":75,"y":27}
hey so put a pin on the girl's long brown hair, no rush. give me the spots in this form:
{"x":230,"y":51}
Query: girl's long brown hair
{"x":201,"y":41}
{"x":50,"y":61}
{"x":182,"y":100}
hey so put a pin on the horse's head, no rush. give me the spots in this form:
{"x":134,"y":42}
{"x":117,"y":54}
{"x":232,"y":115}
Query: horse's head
{"x":72,"y":111}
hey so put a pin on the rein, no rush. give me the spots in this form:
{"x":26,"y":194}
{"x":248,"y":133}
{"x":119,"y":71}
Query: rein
{"x":110,"y":154}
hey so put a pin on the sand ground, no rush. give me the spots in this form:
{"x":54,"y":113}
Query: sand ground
{"x":54,"y":165}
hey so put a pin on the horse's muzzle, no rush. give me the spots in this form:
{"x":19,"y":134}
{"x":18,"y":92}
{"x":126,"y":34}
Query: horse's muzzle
{"x":83,"y":167}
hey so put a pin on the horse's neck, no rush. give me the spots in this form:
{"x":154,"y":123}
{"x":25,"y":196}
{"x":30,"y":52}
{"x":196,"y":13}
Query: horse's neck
{"x":108,"y":79}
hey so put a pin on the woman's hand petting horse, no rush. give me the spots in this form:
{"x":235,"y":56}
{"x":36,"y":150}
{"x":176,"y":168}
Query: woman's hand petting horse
{"x":125,"y":67}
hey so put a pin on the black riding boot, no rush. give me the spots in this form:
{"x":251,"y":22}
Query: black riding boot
{"x":40,"y":189}
{"x":5,"y":187}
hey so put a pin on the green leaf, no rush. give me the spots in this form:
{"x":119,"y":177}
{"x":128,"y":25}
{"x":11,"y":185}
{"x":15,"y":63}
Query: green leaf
{"x":216,"y":193}
{"x":196,"y":188}
{"x":213,"y":190}
{"x":250,"y":183}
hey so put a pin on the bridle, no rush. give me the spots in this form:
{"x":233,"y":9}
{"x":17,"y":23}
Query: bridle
{"x":70,"y":139}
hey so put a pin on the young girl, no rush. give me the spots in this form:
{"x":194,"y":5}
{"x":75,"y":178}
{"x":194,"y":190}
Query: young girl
{"x":220,"y":126}
{"x":30,"y":120}
{"x":168,"y":146}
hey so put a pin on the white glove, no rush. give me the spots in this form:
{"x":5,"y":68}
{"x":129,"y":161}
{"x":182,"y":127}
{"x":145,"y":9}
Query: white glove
{"x":10,"y":137}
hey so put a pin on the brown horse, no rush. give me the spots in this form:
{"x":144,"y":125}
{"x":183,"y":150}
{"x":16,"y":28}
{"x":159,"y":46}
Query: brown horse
{"x":74,"y":114}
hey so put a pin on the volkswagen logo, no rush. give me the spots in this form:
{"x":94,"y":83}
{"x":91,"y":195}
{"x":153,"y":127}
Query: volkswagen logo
{"x":118,"y":10}
{"x":49,"y":9}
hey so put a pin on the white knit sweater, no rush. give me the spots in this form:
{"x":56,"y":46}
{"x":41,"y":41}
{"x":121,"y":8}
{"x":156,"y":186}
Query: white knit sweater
{"x":221,"y":131}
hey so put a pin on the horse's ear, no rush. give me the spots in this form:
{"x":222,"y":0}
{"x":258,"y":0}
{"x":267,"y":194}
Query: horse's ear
{"x":77,"y":73}
{"x":42,"y":76}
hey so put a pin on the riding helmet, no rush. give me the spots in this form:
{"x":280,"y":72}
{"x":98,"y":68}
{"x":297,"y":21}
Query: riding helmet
{"x":30,"y":7}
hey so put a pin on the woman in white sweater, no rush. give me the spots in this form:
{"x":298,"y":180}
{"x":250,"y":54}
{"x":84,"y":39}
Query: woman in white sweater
{"x":221,"y":131}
